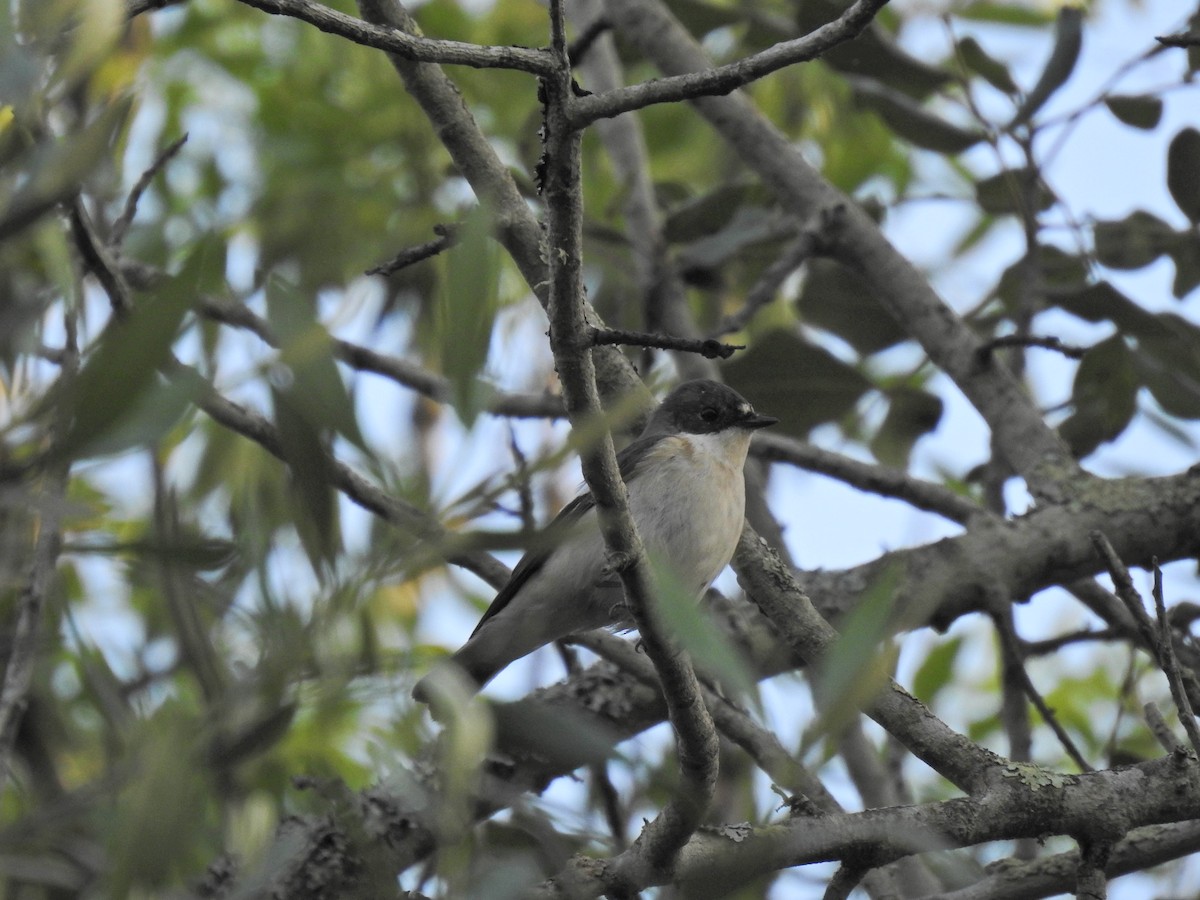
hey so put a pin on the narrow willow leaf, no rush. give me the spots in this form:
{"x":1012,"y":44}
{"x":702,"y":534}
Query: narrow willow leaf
{"x":1068,"y":41}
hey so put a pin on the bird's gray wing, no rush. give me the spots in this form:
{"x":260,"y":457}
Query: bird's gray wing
{"x":627,"y":463}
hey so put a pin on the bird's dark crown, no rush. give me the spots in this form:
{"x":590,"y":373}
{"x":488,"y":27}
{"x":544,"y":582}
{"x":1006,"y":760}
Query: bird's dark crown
{"x":705,"y":407}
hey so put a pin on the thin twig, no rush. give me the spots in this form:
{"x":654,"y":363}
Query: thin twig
{"x":764,"y":289}
{"x":522,"y":482}
{"x":1170,"y":664}
{"x":1083,"y":635}
{"x":1183,"y":39}
{"x":135,"y":8}
{"x":1012,"y":652}
{"x":1160,"y":729}
{"x":1127,"y":593}
{"x":706,"y":347}
{"x":120,"y":228}
{"x":447,"y":237}
{"x":1046,"y":342}
{"x":100,"y":260}
{"x":401,"y":371}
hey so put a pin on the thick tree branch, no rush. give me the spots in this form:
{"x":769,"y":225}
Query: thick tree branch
{"x":1141,"y":849}
{"x":1026,"y":804}
{"x":570,"y":340}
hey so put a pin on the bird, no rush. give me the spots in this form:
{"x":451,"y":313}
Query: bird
{"x":687,"y":496}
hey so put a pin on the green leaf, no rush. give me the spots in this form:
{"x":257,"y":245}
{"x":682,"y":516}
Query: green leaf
{"x":1102,"y":302}
{"x":307,"y":453}
{"x":873,"y":54}
{"x":53,"y":170}
{"x":700,"y":216}
{"x":911,"y":121}
{"x":712,"y":653}
{"x":1068,"y":41}
{"x":700,"y":18}
{"x":801,"y":383}
{"x":1133,"y":242}
{"x":1167,"y":359}
{"x":314,"y":385}
{"x":1059,"y":272}
{"x":466,"y":311}
{"x":1020,"y":14}
{"x":1141,"y":111}
{"x":937,"y":670}
{"x":163,"y":810}
{"x":837,"y":298}
{"x":1183,"y":172}
{"x":1104,"y":396}
{"x":153,"y":412}
{"x":1004,"y":193}
{"x":124,"y":365}
{"x":1185,"y":253}
{"x":912,"y":413}
{"x":980,"y":62}
{"x":860,"y":660}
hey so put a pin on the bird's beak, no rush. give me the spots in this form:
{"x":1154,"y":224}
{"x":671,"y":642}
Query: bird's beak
{"x":754,"y":421}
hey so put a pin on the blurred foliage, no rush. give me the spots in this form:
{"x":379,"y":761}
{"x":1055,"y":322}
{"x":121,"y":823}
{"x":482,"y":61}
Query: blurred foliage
{"x":224,"y":621}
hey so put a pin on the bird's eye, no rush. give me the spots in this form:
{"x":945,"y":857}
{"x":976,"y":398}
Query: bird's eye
{"x":708,"y":414}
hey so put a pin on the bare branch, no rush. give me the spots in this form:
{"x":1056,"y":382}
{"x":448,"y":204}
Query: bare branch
{"x":1030,"y":340}
{"x":570,"y":338}
{"x":1157,"y":640}
{"x":120,"y":227}
{"x":447,"y":237}
{"x":1183,"y":39}
{"x":706,"y":347}
{"x":404,"y":44}
{"x":881,"y":480}
{"x":723,"y":79}
{"x":1170,"y":664}
{"x":764,"y":289}
{"x":1016,"y":665}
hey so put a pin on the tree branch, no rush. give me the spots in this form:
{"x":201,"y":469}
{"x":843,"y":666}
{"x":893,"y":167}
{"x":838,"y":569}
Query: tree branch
{"x":1021,"y":434}
{"x":706,"y":347}
{"x":774,"y":589}
{"x":405,"y":44}
{"x":517,"y":228}
{"x":882,"y":480}
{"x":723,"y":79}
{"x":570,"y":340}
